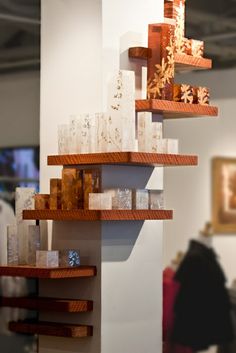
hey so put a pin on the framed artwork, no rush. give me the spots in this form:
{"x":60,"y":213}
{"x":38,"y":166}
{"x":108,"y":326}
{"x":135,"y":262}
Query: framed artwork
{"x":224,"y":195}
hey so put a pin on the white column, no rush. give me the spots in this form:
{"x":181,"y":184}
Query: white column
{"x":83,"y":43}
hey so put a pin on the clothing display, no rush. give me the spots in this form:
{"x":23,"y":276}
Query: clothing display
{"x":202,"y":307}
{"x":170,"y":291}
{"x":231,"y":347}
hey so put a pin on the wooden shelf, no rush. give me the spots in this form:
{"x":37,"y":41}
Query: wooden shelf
{"x":108,"y":215}
{"x":51,"y":329}
{"x":183,"y":62}
{"x":124,"y":158}
{"x":48,"y":304}
{"x":51,"y":273}
{"x":175,"y":110}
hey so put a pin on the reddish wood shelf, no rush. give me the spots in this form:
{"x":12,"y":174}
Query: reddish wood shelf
{"x":48,"y":304}
{"x":87,"y":215}
{"x":183,"y":62}
{"x":123,"y":158}
{"x":51,"y":329}
{"x":175,"y":110}
{"x":50,"y":273}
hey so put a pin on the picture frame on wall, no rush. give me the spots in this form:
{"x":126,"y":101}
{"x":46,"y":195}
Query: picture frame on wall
{"x":224,"y":195}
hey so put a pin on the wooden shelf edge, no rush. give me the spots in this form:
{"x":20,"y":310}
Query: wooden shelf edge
{"x":50,"y":273}
{"x":51,"y":329}
{"x":106,"y":215}
{"x":175,"y":110}
{"x":125,"y":158}
{"x":183,"y":62}
{"x":48,"y":304}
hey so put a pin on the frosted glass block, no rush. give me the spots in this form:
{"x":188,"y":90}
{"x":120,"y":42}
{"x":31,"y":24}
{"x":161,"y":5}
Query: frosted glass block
{"x":121,"y":198}
{"x":172,"y":146}
{"x":121,"y":110}
{"x":33,"y":244}
{"x":102,"y":132}
{"x":145,"y":132}
{"x":160,"y":146}
{"x":12,"y":245}
{"x":84,"y":132}
{"x":47,"y":258}
{"x":69,"y":258}
{"x":100,"y":201}
{"x":156,"y":199}
{"x":156,"y":135}
{"x":93,"y":132}
{"x":140,"y":199}
{"x":63,"y":139}
{"x":24,"y":201}
{"x":169,"y":146}
{"x":73,"y":148}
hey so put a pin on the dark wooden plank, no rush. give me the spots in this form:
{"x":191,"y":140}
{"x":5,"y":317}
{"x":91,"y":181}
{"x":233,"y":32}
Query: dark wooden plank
{"x":52,"y":273}
{"x":109,"y":215}
{"x":48,"y":304}
{"x":51,"y":329}
{"x":183,"y":62}
{"x":175,"y":110}
{"x":129,"y":158}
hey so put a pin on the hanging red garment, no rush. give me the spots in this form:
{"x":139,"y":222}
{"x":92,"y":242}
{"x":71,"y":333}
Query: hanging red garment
{"x":170,"y":291}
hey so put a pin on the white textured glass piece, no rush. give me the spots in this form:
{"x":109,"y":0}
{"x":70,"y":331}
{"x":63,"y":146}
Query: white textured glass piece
{"x":73,"y":148}
{"x":47,"y":258}
{"x":156,"y":135}
{"x":169,"y":146}
{"x":33,"y":244}
{"x":172,"y":146}
{"x":93,"y":132}
{"x":156,"y":199}
{"x":24,"y":201}
{"x":63,"y":139}
{"x":100,"y":201}
{"x":12,"y":245}
{"x":140,"y":199}
{"x":121,"y":110}
{"x":145,"y":132}
{"x":84,"y":133}
{"x":121,"y":198}
{"x":102,"y":132}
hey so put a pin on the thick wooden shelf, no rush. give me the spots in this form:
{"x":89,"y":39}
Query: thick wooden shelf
{"x":175,"y":110}
{"x":183,"y":62}
{"x":51,"y":273}
{"x":48,"y":304}
{"x":51,"y":329}
{"x":87,"y":215}
{"x":129,"y":158}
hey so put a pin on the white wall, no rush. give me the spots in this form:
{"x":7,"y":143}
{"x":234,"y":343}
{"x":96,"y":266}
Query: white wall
{"x":19,"y":109}
{"x":188,"y":190}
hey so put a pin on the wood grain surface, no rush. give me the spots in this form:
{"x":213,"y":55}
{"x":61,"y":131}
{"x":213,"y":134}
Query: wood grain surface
{"x":175,"y":110}
{"x":123,"y":158}
{"x":106,"y":215}
{"x":48,"y":304}
{"x":183,"y":62}
{"x":52,"y":273}
{"x":51,"y":329}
